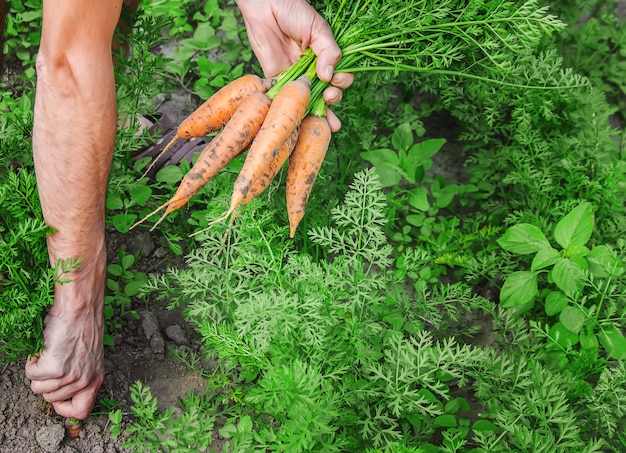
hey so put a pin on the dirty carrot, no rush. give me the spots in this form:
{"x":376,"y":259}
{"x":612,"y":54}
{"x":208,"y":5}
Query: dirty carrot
{"x":304,"y":165}
{"x":285,"y":114}
{"x":216,"y":111}
{"x":278,"y":157}
{"x":73,"y":427}
{"x":243,"y":126}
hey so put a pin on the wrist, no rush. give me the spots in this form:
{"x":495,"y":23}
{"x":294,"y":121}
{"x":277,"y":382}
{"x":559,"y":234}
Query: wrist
{"x":81,"y":274}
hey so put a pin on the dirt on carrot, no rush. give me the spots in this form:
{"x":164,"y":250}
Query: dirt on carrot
{"x":238,"y":133}
{"x":278,"y":158}
{"x":304,"y":165}
{"x":217,"y":111}
{"x":285,"y":114}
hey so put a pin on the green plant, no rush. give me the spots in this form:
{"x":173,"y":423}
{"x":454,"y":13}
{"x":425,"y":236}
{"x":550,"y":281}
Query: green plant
{"x":213,"y":55}
{"x":122,"y":284}
{"x":27,"y":279}
{"x":22,"y":34}
{"x":580,"y":286}
{"x":190,"y":431}
{"x":416,"y":197}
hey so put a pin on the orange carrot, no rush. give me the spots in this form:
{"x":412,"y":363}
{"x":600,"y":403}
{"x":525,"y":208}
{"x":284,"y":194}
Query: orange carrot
{"x":304,"y":165}
{"x":243,"y":126}
{"x":216,"y":111}
{"x":278,"y":157}
{"x":285,"y":114}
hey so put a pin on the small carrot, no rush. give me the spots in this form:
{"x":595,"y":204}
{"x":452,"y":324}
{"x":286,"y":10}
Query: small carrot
{"x":304,"y":165}
{"x":278,"y":158}
{"x":216,"y":111}
{"x":285,"y":114}
{"x":243,"y":126}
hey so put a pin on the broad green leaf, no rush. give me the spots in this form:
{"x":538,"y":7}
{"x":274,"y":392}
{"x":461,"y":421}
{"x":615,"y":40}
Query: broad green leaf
{"x":170,"y":174}
{"x":455,"y":405}
{"x":614,"y":342}
{"x":389,"y":174}
{"x":380,"y":156}
{"x":114,"y":202}
{"x":140,"y":194}
{"x":204,"y":65}
{"x":588,"y":341}
{"x":417,"y":420}
{"x":108,"y":311}
{"x":122,"y":222}
{"x":387,"y":165}
{"x":429,"y":397}
{"x":133,"y":287}
{"x":415,"y":219}
{"x":227,"y":431}
{"x":519,"y":289}
{"x":115,"y":269}
{"x":445,"y":196}
{"x":418,"y":198}
{"x":484,"y":425}
{"x":544,"y":258}
{"x":555,"y":302}
{"x":576,"y":227}
{"x":128,"y":261}
{"x":108,"y":340}
{"x":603,"y":263}
{"x":523,"y":239}
{"x":575,"y":249}
{"x":569,"y":275}
{"x":420,"y":153}
{"x":562,"y":336}
{"x":402,"y":137}
{"x":245,"y":424}
{"x":572,"y":318}
{"x":445,"y":421}
{"x":395,"y":319}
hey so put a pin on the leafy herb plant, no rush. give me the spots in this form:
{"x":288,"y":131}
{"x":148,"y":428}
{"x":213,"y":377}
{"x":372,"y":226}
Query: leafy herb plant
{"x":583,"y":287}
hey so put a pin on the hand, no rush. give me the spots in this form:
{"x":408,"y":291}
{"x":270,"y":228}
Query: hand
{"x":280,"y":30}
{"x":70,"y":370}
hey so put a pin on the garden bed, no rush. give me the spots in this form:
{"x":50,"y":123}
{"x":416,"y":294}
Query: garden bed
{"x":456,"y":286}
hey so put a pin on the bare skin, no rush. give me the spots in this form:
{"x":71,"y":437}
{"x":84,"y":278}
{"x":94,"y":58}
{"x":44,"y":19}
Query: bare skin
{"x":73,"y":139}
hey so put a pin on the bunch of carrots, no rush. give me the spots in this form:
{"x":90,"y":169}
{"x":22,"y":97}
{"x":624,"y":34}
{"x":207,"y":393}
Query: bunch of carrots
{"x":284,"y":118}
{"x":274,"y":120}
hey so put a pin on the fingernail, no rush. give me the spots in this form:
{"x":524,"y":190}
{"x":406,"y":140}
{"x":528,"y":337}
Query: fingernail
{"x":328,"y":72}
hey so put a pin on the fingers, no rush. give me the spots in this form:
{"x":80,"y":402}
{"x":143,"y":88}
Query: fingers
{"x":340,"y":81}
{"x":334,"y":94}
{"x":333,"y":121}
{"x":325,"y":47}
{"x":35,"y":371}
{"x":78,"y":407}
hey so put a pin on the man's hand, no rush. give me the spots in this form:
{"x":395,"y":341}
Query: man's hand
{"x":280,"y":30}
{"x":69,"y":371}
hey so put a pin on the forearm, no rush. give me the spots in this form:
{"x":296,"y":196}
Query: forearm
{"x":73,"y":138}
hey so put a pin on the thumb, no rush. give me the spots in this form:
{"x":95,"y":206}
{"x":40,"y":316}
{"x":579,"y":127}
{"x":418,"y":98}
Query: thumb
{"x":325,"y":47}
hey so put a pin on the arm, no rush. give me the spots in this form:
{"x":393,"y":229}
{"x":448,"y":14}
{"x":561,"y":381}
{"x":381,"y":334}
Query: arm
{"x":280,"y":30}
{"x":73,"y":139}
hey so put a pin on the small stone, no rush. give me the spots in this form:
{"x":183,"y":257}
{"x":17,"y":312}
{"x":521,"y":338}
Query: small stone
{"x":157,"y":345}
{"x":49,"y":438}
{"x":149,"y":324}
{"x":176,"y":334}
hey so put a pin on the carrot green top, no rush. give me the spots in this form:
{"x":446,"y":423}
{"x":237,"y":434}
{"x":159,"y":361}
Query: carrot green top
{"x":452,"y":38}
